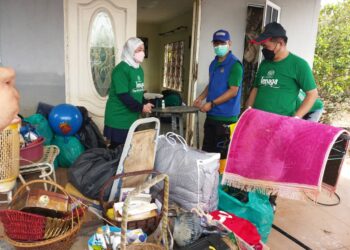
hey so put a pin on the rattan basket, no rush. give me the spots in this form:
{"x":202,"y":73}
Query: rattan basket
{"x":62,"y":233}
{"x":9,"y":157}
{"x":147,"y":225}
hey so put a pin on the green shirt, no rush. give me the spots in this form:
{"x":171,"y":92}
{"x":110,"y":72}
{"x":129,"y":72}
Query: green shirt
{"x":235,"y":79}
{"x":279,"y":83}
{"x":317,"y":105}
{"x":125,"y":79}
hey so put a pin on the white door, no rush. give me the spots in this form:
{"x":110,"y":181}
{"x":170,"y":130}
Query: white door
{"x":95,"y":32}
{"x":191,"y":96}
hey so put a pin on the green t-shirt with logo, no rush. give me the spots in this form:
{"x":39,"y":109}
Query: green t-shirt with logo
{"x":317,"y":105}
{"x":279,"y":83}
{"x":125,"y":79}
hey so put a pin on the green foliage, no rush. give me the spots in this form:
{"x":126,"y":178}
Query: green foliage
{"x":332,"y":55}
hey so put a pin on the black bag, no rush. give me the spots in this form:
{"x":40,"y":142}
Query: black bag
{"x":92,"y":170}
{"x":89,"y":135}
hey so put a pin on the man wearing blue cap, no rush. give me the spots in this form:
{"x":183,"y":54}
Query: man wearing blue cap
{"x":222,"y":95}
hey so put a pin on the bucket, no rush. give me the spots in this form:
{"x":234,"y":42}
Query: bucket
{"x":33,"y":152}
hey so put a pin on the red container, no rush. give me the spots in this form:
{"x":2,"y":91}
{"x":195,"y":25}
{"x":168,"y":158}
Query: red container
{"x":33,"y":152}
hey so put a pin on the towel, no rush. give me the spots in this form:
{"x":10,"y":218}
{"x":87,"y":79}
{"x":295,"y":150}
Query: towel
{"x":284,"y":155}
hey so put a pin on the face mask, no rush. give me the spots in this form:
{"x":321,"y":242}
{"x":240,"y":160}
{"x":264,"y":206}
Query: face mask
{"x":268,"y":54}
{"x":139,"y":56}
{"x":221,"y":50}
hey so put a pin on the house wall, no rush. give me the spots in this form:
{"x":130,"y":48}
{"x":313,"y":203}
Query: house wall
{"x":299,"y":17}
{"x":153,"y":66}
{"x":32,"y":42}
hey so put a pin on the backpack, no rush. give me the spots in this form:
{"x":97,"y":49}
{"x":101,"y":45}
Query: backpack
{"x":89,"y":134}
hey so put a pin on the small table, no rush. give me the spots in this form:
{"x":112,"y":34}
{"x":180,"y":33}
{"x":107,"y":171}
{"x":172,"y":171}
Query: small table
{"x":176,"y":112}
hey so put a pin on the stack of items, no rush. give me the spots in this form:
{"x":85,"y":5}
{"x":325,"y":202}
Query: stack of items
{"x":109,"y":238}
{"x":140,"y":208}
{"x":40,"y":219}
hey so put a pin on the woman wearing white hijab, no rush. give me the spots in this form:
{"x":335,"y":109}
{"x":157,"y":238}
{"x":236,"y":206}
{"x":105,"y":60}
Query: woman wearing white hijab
{"x":125,"y":99}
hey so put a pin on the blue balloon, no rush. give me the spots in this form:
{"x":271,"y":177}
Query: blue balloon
{"x":65,"y":119}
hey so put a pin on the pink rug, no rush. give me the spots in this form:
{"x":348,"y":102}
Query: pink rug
{"x":284,"y":155}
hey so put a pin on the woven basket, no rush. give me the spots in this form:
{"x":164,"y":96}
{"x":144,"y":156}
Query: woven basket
{"x":164,"y":221}
{"x":9,"y":157}
{"x":147,"y":225}
{"x":61,"y":232}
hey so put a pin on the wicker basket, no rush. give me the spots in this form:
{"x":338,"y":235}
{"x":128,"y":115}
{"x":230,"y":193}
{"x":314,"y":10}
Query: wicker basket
{"x":9,"y":157}
{"x":147,"y":225}
{"x":164,"y":226}
{"x":61,"y":232}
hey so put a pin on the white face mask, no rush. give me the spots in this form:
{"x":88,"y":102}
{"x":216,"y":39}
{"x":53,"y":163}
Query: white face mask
{"x":139,"y":56}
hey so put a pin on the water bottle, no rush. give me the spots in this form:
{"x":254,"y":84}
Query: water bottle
{"x":163,"y":103}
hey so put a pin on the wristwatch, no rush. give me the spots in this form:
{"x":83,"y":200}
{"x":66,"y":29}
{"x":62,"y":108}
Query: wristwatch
{"x":212,"y":104}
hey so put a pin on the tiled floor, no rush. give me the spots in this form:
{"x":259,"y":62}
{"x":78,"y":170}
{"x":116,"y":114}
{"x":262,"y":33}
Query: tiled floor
{"x":318,"y":227}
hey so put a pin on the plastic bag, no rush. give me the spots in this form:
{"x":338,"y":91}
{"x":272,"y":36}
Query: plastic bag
{"x":42,"y":127}
{"x":70,"y":149}
{"x":257,"y":210}
{"x":92,"y":170}
{"x":193,"y":174}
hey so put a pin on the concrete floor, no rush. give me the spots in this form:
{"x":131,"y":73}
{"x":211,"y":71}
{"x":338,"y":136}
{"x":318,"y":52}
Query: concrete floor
{"x":318,"y":227}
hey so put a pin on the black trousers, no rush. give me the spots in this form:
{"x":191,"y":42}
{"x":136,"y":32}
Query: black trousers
{"x":216,"y":137}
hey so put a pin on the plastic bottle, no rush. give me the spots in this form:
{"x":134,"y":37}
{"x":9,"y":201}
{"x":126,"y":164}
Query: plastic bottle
{"x":99,"y":240}
{"x":163,"y":103}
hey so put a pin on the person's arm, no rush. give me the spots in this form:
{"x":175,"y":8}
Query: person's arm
{"x":198,"y":102}
{"x":251,"y":98}
{"x":9,"y":98}
{"x":134,"y":105}
{"x":307,"y":104}
{"x":227,"y":95}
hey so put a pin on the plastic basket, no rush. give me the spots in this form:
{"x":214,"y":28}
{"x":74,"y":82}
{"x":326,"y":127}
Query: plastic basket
{"x":33,"y":152}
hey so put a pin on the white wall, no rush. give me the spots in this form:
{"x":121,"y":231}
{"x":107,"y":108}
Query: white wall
{"x":300,"y":19}
{"x":32,"y":42}
{"x":152,"y":65}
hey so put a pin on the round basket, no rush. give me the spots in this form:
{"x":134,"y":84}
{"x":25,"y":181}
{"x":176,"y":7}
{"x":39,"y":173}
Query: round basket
{"x":9,"y":157}
{"x":51,"y":233}
{"x":147,"y":225}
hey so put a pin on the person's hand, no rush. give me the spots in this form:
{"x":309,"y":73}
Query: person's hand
{"x":206,"y":107}
{"x":9,"y":98}
{"x":147,"y":108}
{"x":197,"y":103}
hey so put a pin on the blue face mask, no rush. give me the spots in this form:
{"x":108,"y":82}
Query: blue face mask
{"x":221,"y":50}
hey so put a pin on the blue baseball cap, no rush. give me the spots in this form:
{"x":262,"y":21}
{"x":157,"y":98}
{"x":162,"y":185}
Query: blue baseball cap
{"x":221,"y":35}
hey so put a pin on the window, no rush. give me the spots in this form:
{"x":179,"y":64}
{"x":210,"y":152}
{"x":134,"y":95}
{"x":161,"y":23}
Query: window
{"x":272,"y":13}
{"x":102,"y":52}
{"x":173,"y":65}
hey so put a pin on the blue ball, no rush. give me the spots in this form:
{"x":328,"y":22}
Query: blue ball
{"x":65,"y":119}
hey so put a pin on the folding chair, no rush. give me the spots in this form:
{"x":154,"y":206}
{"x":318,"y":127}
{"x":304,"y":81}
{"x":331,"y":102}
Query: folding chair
{"x":138,"y":154}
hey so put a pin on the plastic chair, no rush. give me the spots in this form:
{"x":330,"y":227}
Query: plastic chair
{"x":45,"y":166}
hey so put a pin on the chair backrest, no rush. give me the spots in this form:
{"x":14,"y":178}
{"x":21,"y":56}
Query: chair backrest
{"x":138,"y":153}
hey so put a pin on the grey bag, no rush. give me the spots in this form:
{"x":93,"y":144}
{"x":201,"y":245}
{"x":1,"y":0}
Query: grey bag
{"x":193,"y":174}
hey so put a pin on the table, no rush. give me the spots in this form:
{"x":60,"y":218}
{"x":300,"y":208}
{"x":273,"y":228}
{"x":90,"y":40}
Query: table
{"x":176,"y":112}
